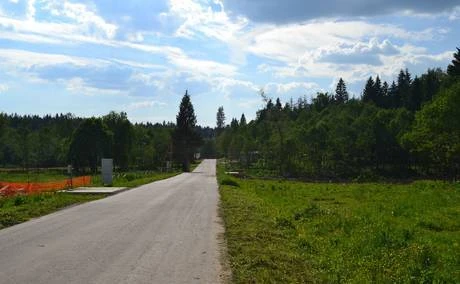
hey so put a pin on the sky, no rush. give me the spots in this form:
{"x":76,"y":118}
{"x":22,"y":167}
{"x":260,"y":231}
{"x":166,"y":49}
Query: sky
{"x":90,"y":57}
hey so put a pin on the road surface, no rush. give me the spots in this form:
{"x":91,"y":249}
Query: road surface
{"x":163,"y":232}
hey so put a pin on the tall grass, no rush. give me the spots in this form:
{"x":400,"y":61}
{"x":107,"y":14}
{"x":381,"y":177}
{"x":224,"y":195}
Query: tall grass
{"x":291,"y":232}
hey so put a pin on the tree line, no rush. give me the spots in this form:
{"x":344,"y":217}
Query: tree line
{"x":31,"y":141}
{"x":409,"y":128}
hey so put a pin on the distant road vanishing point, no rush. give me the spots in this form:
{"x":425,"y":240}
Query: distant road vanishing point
{"x":163,"y":232}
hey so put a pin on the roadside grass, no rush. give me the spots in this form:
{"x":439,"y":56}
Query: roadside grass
{"x":20,"y":208}
{"x":293,"y":232}
{"x":133,"y":179}
{"x":32,"y":176}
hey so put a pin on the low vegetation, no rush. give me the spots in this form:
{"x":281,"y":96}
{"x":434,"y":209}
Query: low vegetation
{"x":133,"y":179}
{"x":32,"y":176}
{"x":293,"y":232}
{"x":20,"y":208}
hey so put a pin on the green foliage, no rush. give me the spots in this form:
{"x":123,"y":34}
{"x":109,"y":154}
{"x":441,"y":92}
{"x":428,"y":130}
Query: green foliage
{"x":291,"y":232}
{"x":90,"y":143}
{"x":334,"y":138}
{"x":41,"y":142}
{"x":122,"y":131}
{"x":454,"y":68}
{"x":436,"y":131}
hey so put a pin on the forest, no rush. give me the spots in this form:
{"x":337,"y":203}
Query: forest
{"x":407,"y":129}
{"x":31,"y":141}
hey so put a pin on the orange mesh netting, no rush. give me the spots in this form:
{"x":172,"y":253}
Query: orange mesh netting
{"x":11,"y":188}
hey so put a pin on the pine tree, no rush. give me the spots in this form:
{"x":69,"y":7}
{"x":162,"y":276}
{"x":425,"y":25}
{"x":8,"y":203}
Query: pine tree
{"x":454,"y":68}
{"x":185,"y":137}
{"x":341,"y":94}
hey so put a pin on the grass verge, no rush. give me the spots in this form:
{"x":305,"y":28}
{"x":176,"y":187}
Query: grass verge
{"x":292,"y":232}
{"x":32,"y":176}
{"x":20,"y":208}
{"x":133,"y":179}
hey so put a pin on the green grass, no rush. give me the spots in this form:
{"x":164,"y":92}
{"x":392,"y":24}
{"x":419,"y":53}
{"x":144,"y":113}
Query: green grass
{"x":20,"y":208}
{"x":133,"y":179}
{"x":33,"y":176}
{"x":292,"y":232}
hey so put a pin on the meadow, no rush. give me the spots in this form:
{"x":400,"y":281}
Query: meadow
{"x":293,"y":232}
{"x":21,"y":208}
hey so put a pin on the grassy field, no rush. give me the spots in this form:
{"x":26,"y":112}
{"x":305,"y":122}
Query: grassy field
{"x":20,"y":208}
{"x":291,"y":232}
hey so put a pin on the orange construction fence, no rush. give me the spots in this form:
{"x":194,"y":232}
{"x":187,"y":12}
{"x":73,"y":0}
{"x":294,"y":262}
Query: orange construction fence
{"x":11,"y":188}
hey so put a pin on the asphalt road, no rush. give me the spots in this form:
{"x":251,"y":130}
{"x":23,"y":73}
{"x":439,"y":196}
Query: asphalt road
{"x":163,"y":232}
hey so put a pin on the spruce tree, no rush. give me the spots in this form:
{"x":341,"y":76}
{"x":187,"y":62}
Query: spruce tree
{"x":385,"y":97}
{"x":454,"y":68}
{"x":378,"y":92}
{"x":341,"y":94}
{"x":278,"y":104}
{"x":369,"y":91}
{"x":393,"y":96}
{"x":243,"y":120}
{"x":185,"y":137}
{"x":404,"y":81}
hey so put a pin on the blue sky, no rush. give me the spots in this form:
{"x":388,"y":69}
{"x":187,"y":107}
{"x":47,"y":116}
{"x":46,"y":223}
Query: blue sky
{"x":89,"y":57}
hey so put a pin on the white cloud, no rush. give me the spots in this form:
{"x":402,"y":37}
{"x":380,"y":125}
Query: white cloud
{"x":283,"y":88}
{"x":3,"y":88}
{"x":145,"y":104}
{"x":82,"y":16}
{"x":290,"y":42}
{"x":455,"y":14}
{"x":30,"y":10}
{"x":14,"y":1}
{"x":78,"y":85}
{"x":200,"y":67}
{"x":135,"y":37}
{"x":199,"y":18}
{"x":155,"y":79}
{"x":250,"y":103}
{"x":72,"y":22}
{"x":15,"y":58}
